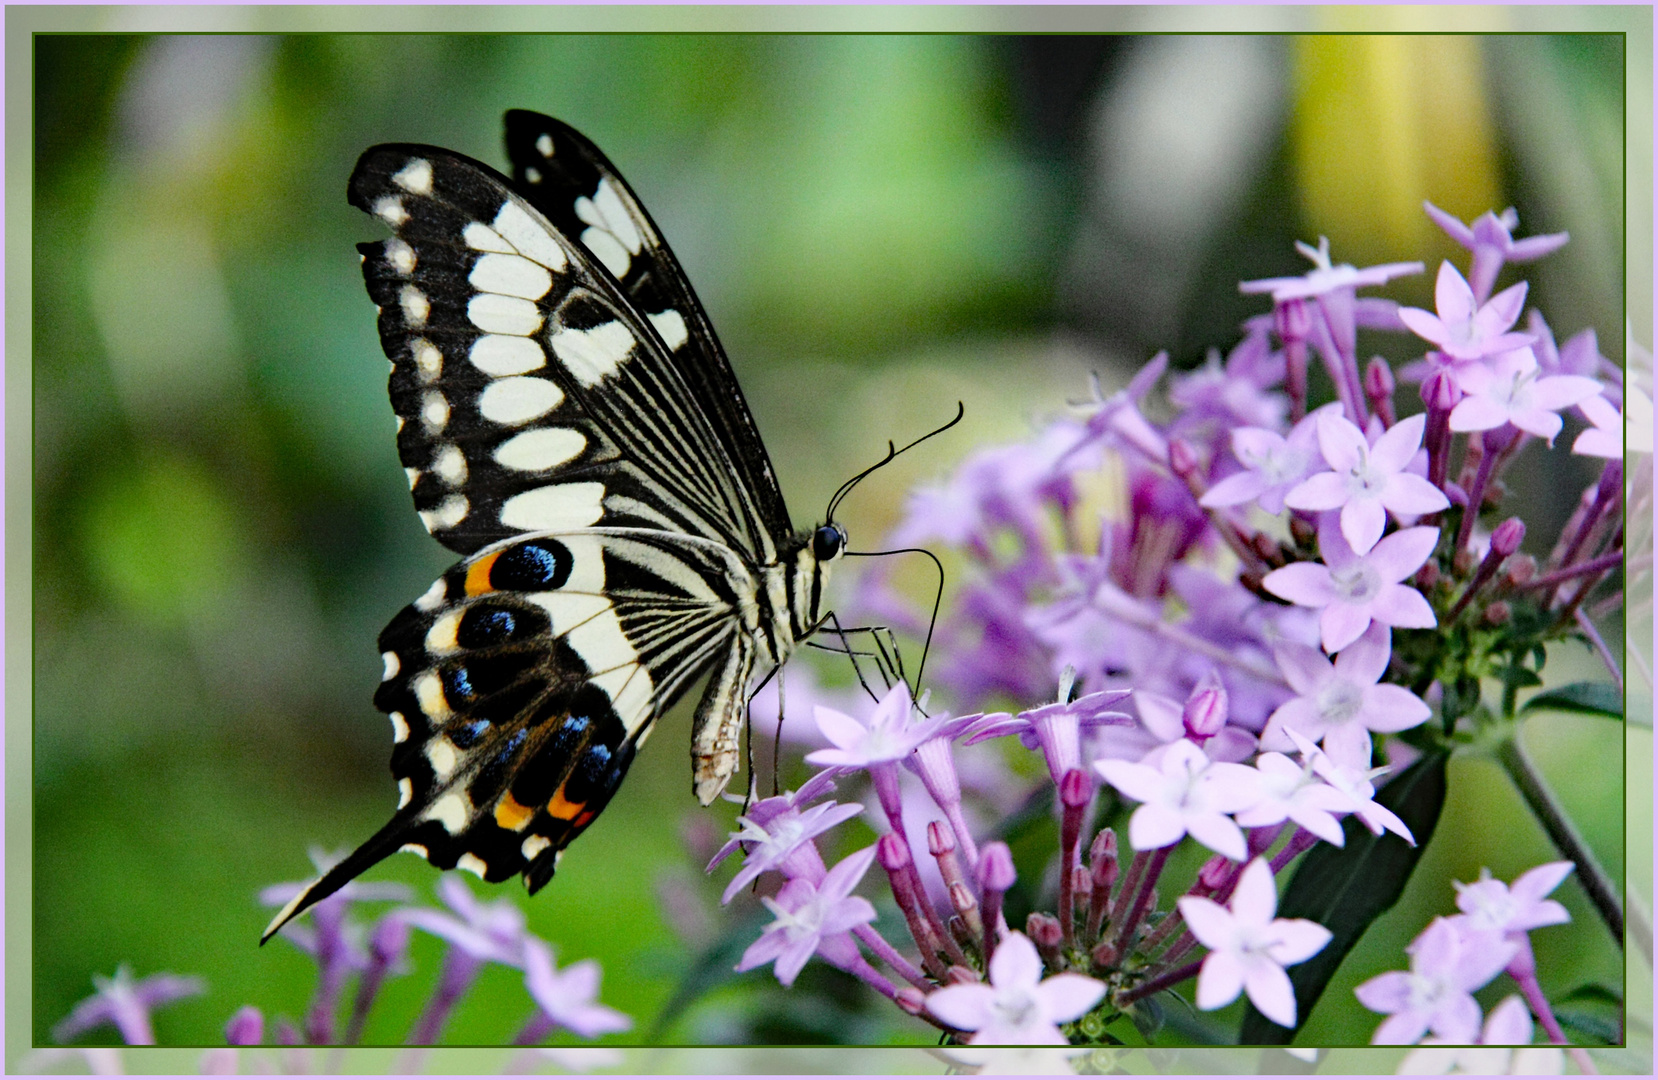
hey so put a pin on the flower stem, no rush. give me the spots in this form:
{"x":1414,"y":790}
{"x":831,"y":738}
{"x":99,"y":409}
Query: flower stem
{"x":459,"y":969}
{"x":1161,"y":982}
{"x":1566,"y":573}
{"x":1131,"y":922}
{"x":1602,"y":890}
{"x":891,"y":956}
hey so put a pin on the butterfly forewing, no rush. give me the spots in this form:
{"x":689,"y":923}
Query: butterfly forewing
{"x":581,"y":193}
{"x":531,"y":393}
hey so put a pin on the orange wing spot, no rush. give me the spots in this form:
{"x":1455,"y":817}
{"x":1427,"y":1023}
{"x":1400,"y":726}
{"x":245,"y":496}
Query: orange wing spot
{"x":477,"y":575}
{"x":511,"y":814}
{"x":587,"y":815}
{"x":563,"y":808}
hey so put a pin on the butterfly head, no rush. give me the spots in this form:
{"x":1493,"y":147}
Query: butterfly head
{"x":829,"y":542}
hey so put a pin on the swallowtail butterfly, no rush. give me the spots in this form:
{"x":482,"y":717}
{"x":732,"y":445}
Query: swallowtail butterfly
{"x":570,"y":425}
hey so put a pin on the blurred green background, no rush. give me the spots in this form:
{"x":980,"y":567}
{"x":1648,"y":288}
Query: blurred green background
{"x":878,"y":225}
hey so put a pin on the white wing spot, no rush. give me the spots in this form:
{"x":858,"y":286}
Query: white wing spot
{"x":433,"y":598}
{"x":541,"y":448}
{"x":393,"y":666}
{"x":556,"y":506}
{"x":405,"y":792}
{"x":472,"y":864}
{"x":416,"y":849}
{"x":534,"y":845}
{"x":480,"y":237}
{"x":401,"y":256}
{"x":428,"y":359}
{"x":544,"y":144}
{"x":606,"y":211}
{"x":390,"y":209}
{"x":428,"y":690}
{"x":399,"y":727}
{"x":415,"y":305}
{"x":440,"y":753}
{"x":593,"y":355}
{"x":415,"y":177}
{"x":450,"y":465}
{"x":449,"y":513}
{"x":496,"y":314}
{"x":502,"y":354}
{"x":601,"y":644}
{"x":450,"y":812}
{"x":529,"y":237}
{"x":608,"y":250}
{"x":519,"y":399}
{"x":413,"y":475}
{"x":434,"y":411}
{"x":510,"y":275}
{"x":671,"y":325}
{"x":532,"y":174}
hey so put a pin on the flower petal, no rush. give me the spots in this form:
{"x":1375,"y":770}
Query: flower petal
{"x":1401,"y":605}
{"x":1298,"y":940}
{"x":1015,"y":963}
{"x":1406,"y":494}
{"x":1065,"y":997}
{"x":966,"y":1007}
{"x":1322,"y":491}
{"x":1219,"y":981}
{"x":1362,"y":522}
{"x":1210,"y":923}
{"x":1270,"y":991}
{"x":1305,"y":583}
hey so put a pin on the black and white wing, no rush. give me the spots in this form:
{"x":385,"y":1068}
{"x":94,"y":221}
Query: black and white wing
{"x":569,"y":180}
{"x":531,"y":393}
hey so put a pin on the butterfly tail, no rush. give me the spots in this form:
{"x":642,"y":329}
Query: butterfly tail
{"x":377,"y":847}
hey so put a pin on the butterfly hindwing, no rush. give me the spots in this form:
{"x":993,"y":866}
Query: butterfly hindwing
{"x":531,"y":393}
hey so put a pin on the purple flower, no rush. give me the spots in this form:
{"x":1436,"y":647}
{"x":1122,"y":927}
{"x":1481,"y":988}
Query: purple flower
{"x":1288,"y":790}
{"x":569,"y":997}
{"x":1163,"y":724}
{"x":1324,"y":278}
{"x":492,"y":932}
{"x":774,"y":835}
{"x":1366,"y":482}
{"x":889,"y":736}
{"x":1352,"y":590}
{"x":127,"y":1004}
{"x":1019,"y":1007}
{"x":1350,"y":776}
{"x":1504,"y":1049}
{"x":1605,"y":438}
{"x":1488,"y":904}
{"x":1336,"y":699}
{"x":1447,"y":964}
{"x":813,"y":919}
{"x":1185,"y":793}
{"x":1249,"y":948}
{"x":1272,"y":463}
{"x":1056,"y":729}
{"x":1464,"y":329}
{"x":1491,"y":239}
{"x":1513,"y":391}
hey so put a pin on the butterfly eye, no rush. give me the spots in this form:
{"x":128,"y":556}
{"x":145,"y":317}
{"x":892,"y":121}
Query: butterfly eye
{"x":827,"y":542}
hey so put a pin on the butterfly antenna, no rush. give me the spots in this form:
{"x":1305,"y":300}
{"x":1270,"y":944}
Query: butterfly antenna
{"x":846,"y":489}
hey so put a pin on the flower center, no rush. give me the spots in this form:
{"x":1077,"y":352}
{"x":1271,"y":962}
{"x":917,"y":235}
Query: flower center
{"x":1015,"y":1008}
{"x":1339,"y":702}
{"x":1356,"y":584}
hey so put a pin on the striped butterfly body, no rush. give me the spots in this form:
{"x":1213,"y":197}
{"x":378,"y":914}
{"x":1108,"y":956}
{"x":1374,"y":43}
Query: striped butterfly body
{"x":570,"y":425}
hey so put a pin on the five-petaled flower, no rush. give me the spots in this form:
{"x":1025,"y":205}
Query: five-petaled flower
{"x":1514,"y":391}
{"x":1448,"y":963}
{"x":1272,"y":463}
{"x":1353,"y":590}
{"x":1019,"y":1007}
{"x":1185,"y":793}
{"x":568,"y":997}
{"x":1344,"y":699}
{"x":1365,"y":482}
{"x":813,"y":919}
{"x":1249,"y":948}
{"x":1463,"y":329}
{"x":889,"y":736}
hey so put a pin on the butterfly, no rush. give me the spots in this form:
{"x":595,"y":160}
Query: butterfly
{"x":570,"y":425}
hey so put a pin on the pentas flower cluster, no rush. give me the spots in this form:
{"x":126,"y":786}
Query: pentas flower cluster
{"x":347,"y":950}
{"x":1108,"y":944}
{"x":1285,"y":597}
{"x":1459,"y":954}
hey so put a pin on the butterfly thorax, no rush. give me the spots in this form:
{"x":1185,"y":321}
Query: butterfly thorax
{"x":793,"y":592}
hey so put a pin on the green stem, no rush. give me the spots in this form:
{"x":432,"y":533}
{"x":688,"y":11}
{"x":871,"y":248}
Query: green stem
{"x":1602,"y":890}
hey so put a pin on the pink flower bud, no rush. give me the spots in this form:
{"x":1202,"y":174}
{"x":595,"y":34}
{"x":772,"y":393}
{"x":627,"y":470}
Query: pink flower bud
{"x":1440,"y":391}
{"x":1506,"y":538}
{"x":995,"y":866}
{"x":1521,"y":569}
{"x":891,"y":852}
{"x":1183,"y":461}
{"x":1215,"y":872}
{"x":1044,"y":930}
{"x":911,"y":1000}
{"x":246,"y":1027}
{"x":960,"y":976}
{"x":1378,"y":379}
{"x":1105,"y":954}
{"x":1497,"y":613}
{"x":1075,"y":788}
{"x":1292,"y":320}
{"x":939,"y":840}
{"x":1205,"y":713}
{"x":1102,"y":858}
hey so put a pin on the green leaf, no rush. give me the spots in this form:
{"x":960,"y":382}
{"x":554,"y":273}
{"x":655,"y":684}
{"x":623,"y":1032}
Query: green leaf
{"x":1346,"y":889}
{"x":1589,"y":698}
